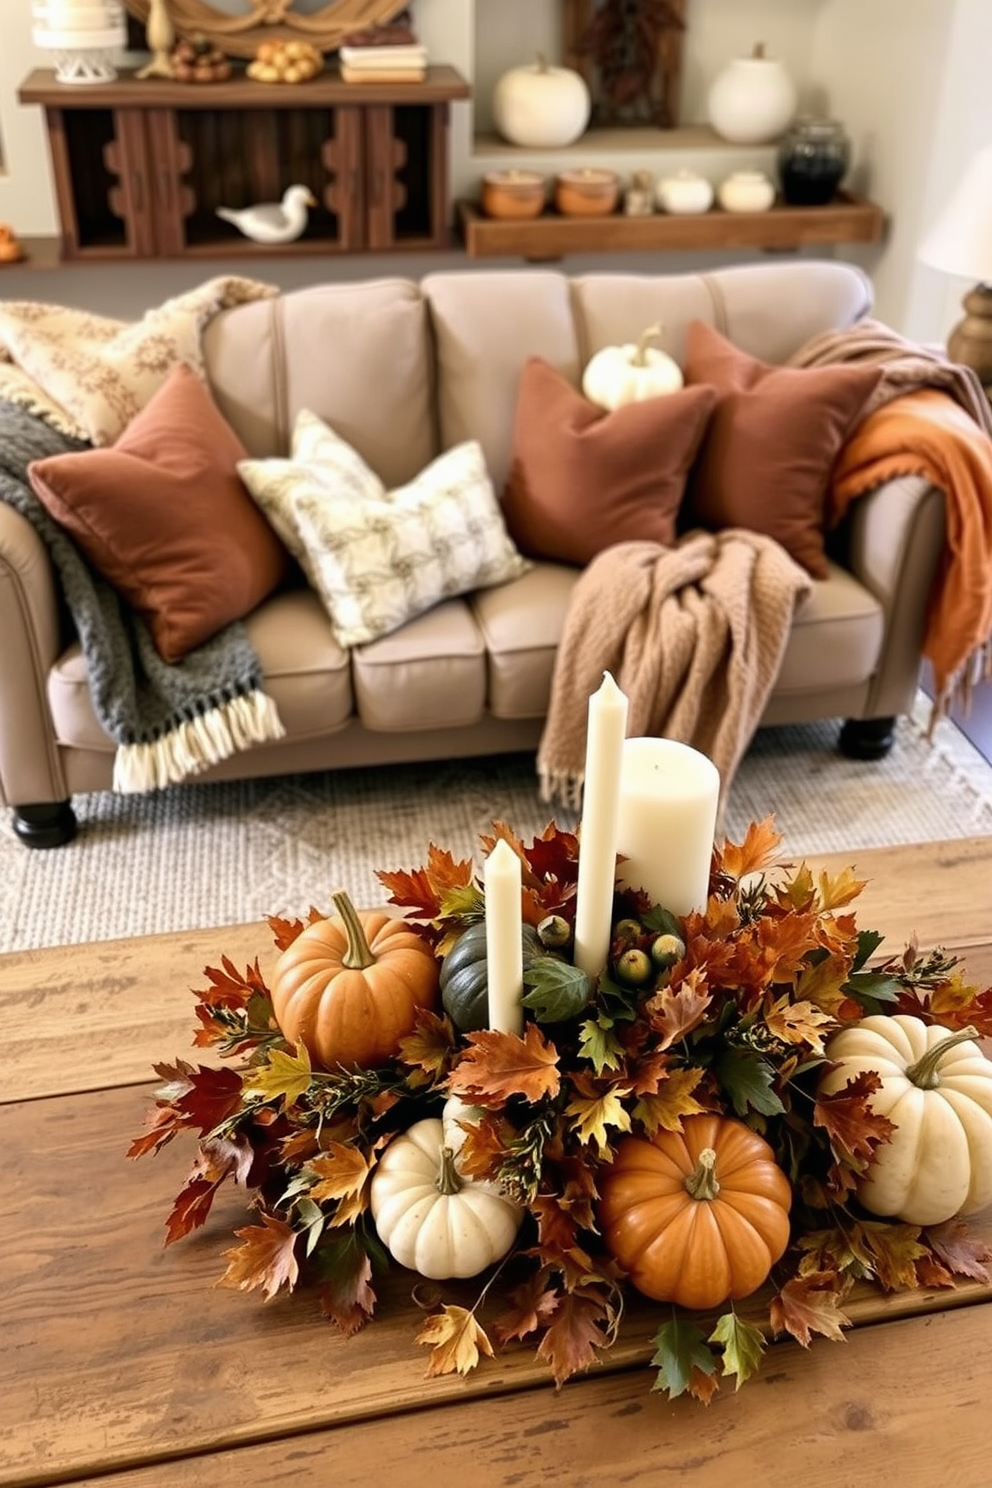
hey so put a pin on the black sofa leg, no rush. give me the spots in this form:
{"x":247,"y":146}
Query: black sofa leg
{"x":47,"y":824}
{"x":867,"y":738}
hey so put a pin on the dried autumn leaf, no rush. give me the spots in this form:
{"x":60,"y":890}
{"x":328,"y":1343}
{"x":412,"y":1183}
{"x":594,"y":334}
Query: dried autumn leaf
{"x":265,"y":1258}
{"x":580,"y":1325}
{"x":824,"y":984}
{"x":674,"y":1100}
{"x":675,"y":1011}
{"x":423,"y":889}
{"x":498,"y":1065}
{"x":344,"y":1273}
{"x":532,"y":1306}
{"x":798,"y":1023}
{"x":593,"y":1114}
{"x":202,"y":1097}
{"x":836,"y":890}
{"x":191,"y":1208}
{"x":854,"y":1129}
{"x":280,"y":1076}
{"x":217,"y":1157}
{"x":889,"y":1250}
{"x":456,"y":1339}
{"x":341,"y":1171}
{"x":807,"y":1305}
{"x":682,"y":1354}
{"x":757,"y":851}
{"x":430,"y":1046}
{"x":960,"y":1252}
{"x":743,"y":1345}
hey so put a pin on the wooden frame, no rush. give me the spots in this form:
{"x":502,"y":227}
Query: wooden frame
{"x":662,"y":95}
{"x":272,"y":20}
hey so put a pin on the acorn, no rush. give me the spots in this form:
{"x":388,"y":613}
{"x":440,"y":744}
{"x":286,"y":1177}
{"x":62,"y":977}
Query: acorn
{"x":634,"y":967}
{"x":666,"y":950}
{"x":554,"y":932}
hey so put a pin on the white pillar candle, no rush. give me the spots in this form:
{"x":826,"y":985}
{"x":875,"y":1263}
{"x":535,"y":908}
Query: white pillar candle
{"x":504,"y":939}
{"x":606,"y":728}
{"x":668,"y":804}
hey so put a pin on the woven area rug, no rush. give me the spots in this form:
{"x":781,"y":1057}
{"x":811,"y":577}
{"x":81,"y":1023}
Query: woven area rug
{"x":202,"y":855}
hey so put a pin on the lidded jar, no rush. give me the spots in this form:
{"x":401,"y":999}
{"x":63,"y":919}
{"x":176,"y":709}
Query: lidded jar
{"x":812,"y":161}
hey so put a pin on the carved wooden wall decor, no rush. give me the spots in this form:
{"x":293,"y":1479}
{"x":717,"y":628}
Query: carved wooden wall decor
{"x":272,"y":20}
{"x":630,"y":54}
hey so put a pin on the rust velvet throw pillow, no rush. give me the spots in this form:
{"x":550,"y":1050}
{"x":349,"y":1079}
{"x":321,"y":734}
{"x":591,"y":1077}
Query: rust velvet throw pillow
{"x":771,"y":443}
{"x":164,"y":516}
{"x":582,"y":479}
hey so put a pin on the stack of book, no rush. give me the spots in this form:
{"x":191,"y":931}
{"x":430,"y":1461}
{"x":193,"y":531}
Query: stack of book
{"x":405,"y":63}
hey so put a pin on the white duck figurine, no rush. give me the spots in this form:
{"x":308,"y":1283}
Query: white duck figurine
{"x":273,"y":222}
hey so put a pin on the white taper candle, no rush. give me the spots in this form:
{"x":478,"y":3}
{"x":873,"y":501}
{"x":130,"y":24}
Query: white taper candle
{"x":607,"y":725}
{"x":504,"y":939}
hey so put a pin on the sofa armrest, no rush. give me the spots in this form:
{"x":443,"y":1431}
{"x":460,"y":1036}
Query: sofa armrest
{"x":894,"y":540}
{"x":30,"y":624}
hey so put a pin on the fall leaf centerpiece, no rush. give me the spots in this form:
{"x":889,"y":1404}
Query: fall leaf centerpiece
{"x":743,"y":1101}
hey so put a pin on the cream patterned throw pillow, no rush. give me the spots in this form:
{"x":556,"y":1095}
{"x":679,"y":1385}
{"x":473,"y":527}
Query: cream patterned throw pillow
{"x":377,"y":558}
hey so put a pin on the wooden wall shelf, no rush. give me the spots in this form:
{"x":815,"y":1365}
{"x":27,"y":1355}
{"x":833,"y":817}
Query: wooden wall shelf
{"x":848,"y":219}
{"x":141,"y":165}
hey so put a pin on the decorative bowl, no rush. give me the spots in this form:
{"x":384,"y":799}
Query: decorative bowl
{"x":513,"y":193}
{"x":587,"y":193}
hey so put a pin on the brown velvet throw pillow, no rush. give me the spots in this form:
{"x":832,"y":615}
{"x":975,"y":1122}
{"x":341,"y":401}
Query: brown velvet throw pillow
{"x":164,"y":516}
{"x":771,"y":443}
{"x":582,"y":478}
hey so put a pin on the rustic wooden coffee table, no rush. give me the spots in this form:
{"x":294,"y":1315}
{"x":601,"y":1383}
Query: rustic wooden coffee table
{"x":121,"y":1363}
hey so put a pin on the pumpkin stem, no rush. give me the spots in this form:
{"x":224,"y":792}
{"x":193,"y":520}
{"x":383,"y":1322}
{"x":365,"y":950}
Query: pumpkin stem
{"x":702,"y":1183}
{"x":449,"y":1180}
{"x":925,"y":1073}
{"x":359,"y":953}
{"x":640,"y":357}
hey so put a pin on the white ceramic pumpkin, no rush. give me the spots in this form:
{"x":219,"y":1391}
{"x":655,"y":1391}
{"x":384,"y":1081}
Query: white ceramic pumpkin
{"x":541,"y":107}
{"x":937,"y":1090}
{"x":429,"y":1215}
{"x":617,"y":375}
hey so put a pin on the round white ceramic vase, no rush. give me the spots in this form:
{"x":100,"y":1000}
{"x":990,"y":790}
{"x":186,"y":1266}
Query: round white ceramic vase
{"x":684,"y":191}
{"x":540,"y":107}
{"x":746,"y":191}
{"x":753,"y":100}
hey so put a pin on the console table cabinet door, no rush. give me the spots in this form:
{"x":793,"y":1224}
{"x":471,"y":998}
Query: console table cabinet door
{"x":102,"y":186}
{"x":406,"y":152}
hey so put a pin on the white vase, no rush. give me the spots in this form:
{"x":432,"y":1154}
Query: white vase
{"x":753,"y":100}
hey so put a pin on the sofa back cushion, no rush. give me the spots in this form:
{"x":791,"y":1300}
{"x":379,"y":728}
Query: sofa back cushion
{"x":356,"y":355}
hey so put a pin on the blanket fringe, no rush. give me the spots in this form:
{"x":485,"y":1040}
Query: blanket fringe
{"x":197,"y":744}
{"x":561,"y":786}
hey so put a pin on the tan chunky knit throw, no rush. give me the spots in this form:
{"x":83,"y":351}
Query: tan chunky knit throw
{"x":694,"y":635}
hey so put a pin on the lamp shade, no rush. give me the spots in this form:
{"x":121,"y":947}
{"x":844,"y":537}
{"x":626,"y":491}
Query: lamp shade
{"x":960,"y":241}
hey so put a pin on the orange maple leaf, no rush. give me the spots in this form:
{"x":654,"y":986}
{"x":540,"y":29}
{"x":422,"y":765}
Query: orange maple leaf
{"x":266,"y":1258}
{"x":430,"y":1046}
{"x":674,"y":1011}
{"x":807,"y":1305}
{"x":498,"y":1065}
{"x":191,"y":1208}
{"x":342,"y":1170}
{"x":423,"y":889}
{"x":854,"y":1129}
{"x":757,"y":851}
{"x":456,"y":1339}
{"x":581,"y":1324}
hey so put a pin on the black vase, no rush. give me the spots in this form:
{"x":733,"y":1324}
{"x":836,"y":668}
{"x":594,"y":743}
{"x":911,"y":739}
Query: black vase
{"x":812,"y":161}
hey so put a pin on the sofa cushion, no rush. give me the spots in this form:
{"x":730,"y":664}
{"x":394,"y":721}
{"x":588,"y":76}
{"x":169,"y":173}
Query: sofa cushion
{"x":377,"y":558}
{"x":166,"y":519}
{"x":583,"y":478}
{"x":521,"y":624}
{"x":429,"y":674}
{"x":769,"y":447}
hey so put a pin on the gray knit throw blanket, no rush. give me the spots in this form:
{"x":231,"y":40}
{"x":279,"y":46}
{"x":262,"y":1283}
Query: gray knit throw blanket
{"x":168,"y":721}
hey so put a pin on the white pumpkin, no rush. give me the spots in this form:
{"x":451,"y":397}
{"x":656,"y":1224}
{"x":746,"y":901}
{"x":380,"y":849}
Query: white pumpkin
{"x":618,"y":375}
{"x":937,"y":1090}
{"x":429,"y":1215}
{"x":541,"y":107}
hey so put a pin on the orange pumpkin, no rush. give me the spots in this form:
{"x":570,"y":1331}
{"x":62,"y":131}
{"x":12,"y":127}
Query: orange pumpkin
{"x":349,"y":987}
{"x":696,"y":1216}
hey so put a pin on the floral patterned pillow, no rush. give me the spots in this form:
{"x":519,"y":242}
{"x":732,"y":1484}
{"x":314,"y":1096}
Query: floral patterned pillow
{"x":377,"y":558}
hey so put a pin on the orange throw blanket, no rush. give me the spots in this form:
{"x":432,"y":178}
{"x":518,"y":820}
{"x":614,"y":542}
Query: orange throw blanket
{"x":927,"y":433}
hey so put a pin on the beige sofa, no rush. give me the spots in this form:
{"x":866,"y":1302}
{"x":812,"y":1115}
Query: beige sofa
{"x":402,"y":370}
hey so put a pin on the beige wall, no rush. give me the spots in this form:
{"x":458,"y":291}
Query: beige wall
{"x":905,"y":76}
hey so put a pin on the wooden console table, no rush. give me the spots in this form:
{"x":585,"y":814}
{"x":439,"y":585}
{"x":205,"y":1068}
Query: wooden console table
{"x":140,"y":167}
